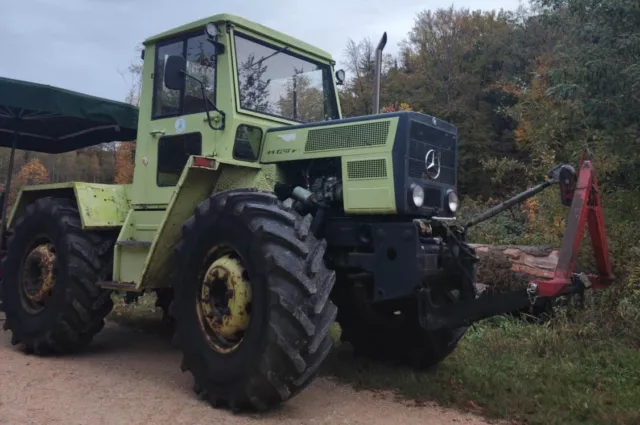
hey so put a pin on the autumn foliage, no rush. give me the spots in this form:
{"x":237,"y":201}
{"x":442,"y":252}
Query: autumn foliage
{"x":33,"y":172}
{"x":124,"y":163}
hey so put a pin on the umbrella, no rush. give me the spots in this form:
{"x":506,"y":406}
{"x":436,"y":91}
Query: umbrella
{"x":42,"y":118}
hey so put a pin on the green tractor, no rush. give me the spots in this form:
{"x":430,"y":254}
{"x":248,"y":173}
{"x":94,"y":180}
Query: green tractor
{"x":257,"y":214}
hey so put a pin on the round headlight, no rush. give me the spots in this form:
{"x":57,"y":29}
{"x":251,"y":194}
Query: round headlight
{"x":211,"y":29}
{"x":417,"y":195}
{"x":452,"y":201}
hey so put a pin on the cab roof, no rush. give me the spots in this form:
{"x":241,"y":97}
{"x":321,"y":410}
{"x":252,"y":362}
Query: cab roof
{"x":247,"y":25}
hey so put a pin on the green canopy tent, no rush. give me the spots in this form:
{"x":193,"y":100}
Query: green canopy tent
{"x":42,"y":118}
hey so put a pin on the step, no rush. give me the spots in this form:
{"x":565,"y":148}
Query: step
{"x":118,"y":286}
{"x":145,"y":244}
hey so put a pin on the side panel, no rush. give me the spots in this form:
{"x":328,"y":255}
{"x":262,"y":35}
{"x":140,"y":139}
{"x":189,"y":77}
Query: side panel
{"x":195,"y":184}
{"x":101,"y":206}
{"x":364,"y":145}
{"x":367,"y":182}
{"x":146,"y":258}
{"x":134,"y":241}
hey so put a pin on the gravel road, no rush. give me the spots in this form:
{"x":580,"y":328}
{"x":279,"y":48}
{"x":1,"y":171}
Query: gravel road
{"x":132,"y":377}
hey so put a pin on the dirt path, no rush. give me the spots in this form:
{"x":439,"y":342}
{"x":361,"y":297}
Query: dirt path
{"x":131,"y":377}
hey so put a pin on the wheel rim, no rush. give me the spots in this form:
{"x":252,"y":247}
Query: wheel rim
{"x":38,"y":277}
{"x":224,"y":300}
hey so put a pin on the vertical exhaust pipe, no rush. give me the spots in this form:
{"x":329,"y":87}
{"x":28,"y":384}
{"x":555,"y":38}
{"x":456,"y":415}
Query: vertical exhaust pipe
{"x":377,"y":72}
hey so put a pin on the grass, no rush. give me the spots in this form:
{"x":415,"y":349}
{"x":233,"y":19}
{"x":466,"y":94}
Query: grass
{"x":584,"y":370}
{"x":530,"y":374}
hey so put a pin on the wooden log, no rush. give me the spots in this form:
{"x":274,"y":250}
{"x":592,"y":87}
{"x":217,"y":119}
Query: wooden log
{"x":509,"y":267}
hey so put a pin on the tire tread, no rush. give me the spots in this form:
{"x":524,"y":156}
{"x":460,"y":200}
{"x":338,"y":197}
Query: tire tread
{"x":297,"y":338}
{"x":85,"y":306}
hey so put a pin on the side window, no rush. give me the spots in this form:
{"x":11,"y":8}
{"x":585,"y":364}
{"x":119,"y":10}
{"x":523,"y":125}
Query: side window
{"x":201,"y":64}
{"x":166,"y":102}
{"x":246,"y":145}
{"x":173,"y":153}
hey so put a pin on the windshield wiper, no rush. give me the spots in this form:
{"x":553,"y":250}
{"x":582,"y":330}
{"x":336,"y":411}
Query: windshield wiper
{"x":264,"y":58}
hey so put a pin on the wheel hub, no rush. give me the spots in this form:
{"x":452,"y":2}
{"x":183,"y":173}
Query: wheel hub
{"x":38,"y":276}
{"x":224,"y":303}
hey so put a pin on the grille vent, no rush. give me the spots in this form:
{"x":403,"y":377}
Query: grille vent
{"x":422,"y":138}
{"x":367,"y":169}
{"x":347,"y":137}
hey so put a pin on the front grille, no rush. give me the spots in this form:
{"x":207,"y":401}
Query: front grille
{"x":348,"y":136}
{"x":423,"y":138}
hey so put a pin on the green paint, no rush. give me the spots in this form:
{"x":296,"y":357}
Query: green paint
{"x":368,"y":195}
{"x":151,"y":267}
{"x":235,"y":21}
{"x":140,"y":226}
{"x":101,"y":206}
{"x":195,"y":185}
{"x":368,"y":140}
{"x":346,"y":138}
{"x":215,"y":143}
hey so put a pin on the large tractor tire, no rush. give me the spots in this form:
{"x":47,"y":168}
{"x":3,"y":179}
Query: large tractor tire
{"x":51,"y":302}
{"x":390,"y":335}
{"x":251,"y":304}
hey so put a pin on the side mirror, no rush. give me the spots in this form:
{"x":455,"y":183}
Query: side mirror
{"x":174,"y":72}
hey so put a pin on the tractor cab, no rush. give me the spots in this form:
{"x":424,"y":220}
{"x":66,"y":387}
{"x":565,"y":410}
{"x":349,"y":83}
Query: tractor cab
{"x":214,"y":87}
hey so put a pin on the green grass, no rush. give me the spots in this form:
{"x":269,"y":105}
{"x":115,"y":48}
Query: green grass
{"x":580,"y":371}
{"x":526,"y":373}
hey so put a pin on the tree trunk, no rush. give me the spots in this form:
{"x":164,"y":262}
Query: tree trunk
{"x":509,"y":267}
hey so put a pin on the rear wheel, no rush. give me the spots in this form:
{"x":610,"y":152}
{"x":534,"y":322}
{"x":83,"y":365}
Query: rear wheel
{"x":251,"y":302}
{"x":50,"y":299}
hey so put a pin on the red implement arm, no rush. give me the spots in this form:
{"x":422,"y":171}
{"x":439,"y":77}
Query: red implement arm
{"x":586,"y":208}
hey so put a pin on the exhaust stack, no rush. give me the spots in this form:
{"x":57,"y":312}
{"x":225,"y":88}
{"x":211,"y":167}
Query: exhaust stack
{"x":377,"y":72}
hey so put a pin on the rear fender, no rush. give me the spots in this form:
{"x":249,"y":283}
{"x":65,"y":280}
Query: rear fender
{"x":101,"y":206}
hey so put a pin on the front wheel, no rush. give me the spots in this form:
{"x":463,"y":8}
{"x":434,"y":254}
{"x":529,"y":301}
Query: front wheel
{"x":251,"y":303}
{"x":392,"y":335}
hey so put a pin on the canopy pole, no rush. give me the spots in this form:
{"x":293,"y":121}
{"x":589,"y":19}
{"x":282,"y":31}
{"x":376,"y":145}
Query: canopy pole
{"x":7,"y":190}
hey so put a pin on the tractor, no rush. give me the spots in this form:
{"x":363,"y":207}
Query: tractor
{"x":258,"y":215}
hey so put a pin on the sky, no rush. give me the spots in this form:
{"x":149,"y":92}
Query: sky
{"x":86,"y":45}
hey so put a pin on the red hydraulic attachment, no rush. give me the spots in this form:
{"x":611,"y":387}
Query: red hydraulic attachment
{"x":586,"y":209}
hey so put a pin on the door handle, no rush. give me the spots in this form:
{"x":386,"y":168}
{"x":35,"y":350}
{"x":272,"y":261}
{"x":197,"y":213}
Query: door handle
{"x":154,"y":133}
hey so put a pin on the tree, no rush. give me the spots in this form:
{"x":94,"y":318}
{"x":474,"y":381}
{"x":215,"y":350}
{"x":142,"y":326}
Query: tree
{"x":124,"y":152}
{"x":302,"y":101}
{"x":33,"y":172}
{"x":254,"y":91}
{"x":124,"y":163}
{"x":595,"y":81}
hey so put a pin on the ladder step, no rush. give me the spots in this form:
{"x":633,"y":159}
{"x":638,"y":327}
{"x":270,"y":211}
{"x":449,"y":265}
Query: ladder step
{"x":133,"y":243}
{"x":121,"y":286}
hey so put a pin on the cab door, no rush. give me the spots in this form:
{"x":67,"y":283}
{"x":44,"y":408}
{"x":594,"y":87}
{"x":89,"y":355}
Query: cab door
{"x":172,"y":123}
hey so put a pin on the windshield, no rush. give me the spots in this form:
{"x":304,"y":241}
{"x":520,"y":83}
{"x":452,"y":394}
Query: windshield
{"x":275,"y":82}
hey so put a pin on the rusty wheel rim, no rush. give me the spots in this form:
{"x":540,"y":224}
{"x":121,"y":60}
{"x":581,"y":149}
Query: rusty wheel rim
{"x":224,"y":300}
{"x":38,"y":277}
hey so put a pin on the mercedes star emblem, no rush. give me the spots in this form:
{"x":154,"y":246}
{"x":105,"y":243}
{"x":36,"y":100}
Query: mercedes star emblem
{"x":432,"y":164}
